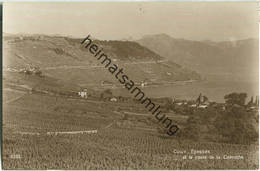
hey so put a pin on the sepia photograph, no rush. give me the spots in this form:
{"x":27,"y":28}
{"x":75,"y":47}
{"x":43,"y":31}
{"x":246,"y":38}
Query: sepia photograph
{"x":130,"y":85}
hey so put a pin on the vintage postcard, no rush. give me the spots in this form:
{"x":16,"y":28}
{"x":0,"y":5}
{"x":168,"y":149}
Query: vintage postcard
{"x":130,"y":85}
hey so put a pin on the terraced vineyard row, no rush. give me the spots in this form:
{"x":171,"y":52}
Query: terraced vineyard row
{"x":116,"y":149}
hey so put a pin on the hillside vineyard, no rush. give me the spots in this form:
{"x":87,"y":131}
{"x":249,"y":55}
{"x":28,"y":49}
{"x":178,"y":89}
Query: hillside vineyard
{"x":93,"y":48}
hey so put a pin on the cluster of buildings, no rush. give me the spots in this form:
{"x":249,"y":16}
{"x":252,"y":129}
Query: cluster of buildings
{"x":31,"y":70}
{"x":201,"y":102}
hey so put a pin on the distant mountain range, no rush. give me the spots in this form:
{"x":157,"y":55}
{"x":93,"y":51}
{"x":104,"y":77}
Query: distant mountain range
{"x":207,"y":57}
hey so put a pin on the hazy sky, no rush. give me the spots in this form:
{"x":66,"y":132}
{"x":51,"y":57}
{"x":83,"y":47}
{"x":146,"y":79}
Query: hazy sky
{"x":117,"y":20}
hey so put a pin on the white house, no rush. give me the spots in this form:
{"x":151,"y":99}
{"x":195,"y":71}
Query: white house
{"x":203,"y":106}
{"x":143,"y":83}
{"x":179,"y":103}
{"x":193,"y":105}
{"x":113,"y":99}
{"x":83,"y":94}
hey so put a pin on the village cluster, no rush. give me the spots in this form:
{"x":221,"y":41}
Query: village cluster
{"x":201,"y":102}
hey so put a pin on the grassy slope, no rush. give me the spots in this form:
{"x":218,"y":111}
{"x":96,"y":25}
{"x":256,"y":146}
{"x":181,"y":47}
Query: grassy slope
{"x":114,"y":147}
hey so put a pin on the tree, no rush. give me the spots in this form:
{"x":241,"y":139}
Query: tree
{"x":235,"y":126}
{"x":235,"y":98}
{"x":38,"y":73}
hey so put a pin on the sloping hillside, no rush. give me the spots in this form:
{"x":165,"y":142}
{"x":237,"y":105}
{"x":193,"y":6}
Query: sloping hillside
{"x":64,"y":58}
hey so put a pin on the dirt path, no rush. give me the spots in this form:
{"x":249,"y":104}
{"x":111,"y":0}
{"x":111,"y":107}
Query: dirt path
{"x":88,"y":67}
{"x":138,"y":114}
{"x":14,"y":99}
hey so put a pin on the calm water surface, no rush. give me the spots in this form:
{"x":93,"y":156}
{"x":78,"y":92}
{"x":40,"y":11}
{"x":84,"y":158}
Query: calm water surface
{"x":214,"y":89}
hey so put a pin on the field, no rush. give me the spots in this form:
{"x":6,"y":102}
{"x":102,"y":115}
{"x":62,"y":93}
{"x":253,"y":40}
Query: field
{"x":120,"y":142}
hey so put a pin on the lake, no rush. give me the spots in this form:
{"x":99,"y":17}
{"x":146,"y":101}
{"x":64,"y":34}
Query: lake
{"x":214,"y":88}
